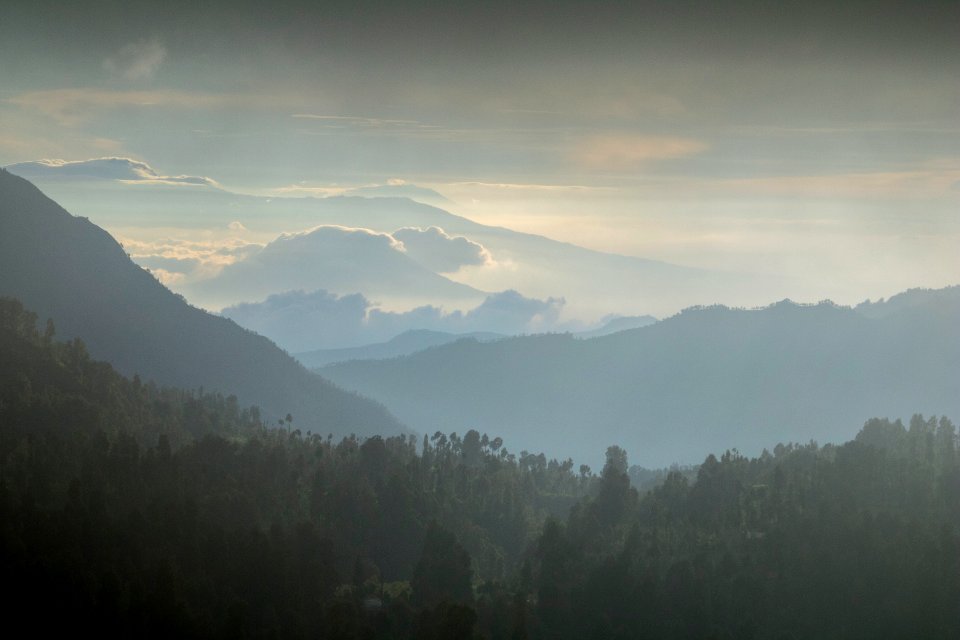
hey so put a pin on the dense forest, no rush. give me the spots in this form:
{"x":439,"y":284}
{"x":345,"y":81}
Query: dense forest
{"x":130,"y":509}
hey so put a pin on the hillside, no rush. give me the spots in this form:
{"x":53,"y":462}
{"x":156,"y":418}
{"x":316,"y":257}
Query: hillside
{"x":704,"y":380}
{"x":402,"y":345}
{"x":67,"y":268}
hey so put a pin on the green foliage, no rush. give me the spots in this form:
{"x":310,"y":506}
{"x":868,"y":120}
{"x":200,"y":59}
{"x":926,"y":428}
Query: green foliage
{"x":860,"y":540}
{"x":140,"y":511}
{"x":178,"y":513}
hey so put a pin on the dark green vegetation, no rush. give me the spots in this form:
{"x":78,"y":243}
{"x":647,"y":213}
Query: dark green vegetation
{"x":68,"y":268}
{"x":127,"y":509}
{"x":143,"y":510}
{"x":704,"y":380}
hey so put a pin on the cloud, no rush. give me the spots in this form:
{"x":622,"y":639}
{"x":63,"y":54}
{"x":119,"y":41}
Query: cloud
{"x":440,"y":252}
{"x":393,"y":188}
{"x":357,"y":120}
{"x":925,"y":182}
{"x":122,"y":169}
{"x":137,"y":60}
{"x":627,"y":151}
{"x":301,"y":321}
{"x":177,"y":261}
{"x":72,"y":107}
{"x":514,"y":186}
{"x":337,"y":259}
{"x":396,"y":190}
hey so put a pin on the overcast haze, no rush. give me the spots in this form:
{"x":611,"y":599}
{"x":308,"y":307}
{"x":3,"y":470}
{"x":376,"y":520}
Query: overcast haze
{"x":815,"y":142}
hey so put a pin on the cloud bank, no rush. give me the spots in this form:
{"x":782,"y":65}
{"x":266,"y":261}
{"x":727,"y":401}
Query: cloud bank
{"x":125,"y":170}
{"x":436,"y":250}
{"x":301,"y":321}
{"x":345,"y":260}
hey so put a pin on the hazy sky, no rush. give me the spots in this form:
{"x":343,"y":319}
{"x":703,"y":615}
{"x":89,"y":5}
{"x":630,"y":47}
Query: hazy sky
{"x":814,"y":137}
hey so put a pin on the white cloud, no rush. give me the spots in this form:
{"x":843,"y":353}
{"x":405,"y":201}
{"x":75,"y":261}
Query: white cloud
{"x":393,"y":188}
{"x":137,"y":60}
{"x":334,"y":258}
{"x":301,"y":321}
{"x":440,"y":252}
{"x":125,"y":170}
{"x":177,"y":261}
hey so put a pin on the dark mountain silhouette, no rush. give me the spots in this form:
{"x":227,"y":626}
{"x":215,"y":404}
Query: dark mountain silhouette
{"x":704,"y":380}
{"x":69,"y":269}
{"x":402,"y":345}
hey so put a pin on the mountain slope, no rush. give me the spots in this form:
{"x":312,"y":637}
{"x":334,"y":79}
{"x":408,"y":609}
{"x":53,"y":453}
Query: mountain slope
{"x":592,"y":281}
{"x":402,"y":345}
{"x":69,"y":269}
{"x":701,"y":381}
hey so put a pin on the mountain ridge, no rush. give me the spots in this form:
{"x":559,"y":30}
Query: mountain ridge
{"x":705,"y":379}
{"x":67,"y":268}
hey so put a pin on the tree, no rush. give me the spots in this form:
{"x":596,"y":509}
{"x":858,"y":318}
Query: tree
{"x":443,"y":573}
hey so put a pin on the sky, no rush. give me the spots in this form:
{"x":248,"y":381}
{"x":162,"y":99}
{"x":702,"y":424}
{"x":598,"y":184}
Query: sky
{"x":813,"y":139}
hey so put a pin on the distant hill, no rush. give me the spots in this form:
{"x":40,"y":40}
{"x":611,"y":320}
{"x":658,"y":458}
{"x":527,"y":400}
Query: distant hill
{"x":402,"y":345}
{"x":617,"y":324}
{"x":701,"y":381}
{"x":415,"y":340}
{"x":69,"y":269}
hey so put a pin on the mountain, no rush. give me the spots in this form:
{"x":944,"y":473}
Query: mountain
{"x":402,"y":345}
{"x":415,"y":340}
{"x":704,"y":380}
{"x":67,"y":268}
{"x":593,"y":282}
{"x":615,"y":325}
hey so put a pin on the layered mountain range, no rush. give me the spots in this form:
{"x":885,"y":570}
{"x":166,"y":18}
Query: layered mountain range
{"x":66,"y":268}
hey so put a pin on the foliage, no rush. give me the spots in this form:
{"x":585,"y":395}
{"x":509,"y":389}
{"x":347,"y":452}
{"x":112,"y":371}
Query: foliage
{"x":142,"y":511}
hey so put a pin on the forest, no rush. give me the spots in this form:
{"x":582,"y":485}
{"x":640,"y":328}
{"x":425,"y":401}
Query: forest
{"x":137,"y":510}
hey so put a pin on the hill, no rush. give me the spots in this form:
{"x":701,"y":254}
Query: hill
{"x":703,"y":380}
{"x":67,"y":268}
{"x":402,"y":345}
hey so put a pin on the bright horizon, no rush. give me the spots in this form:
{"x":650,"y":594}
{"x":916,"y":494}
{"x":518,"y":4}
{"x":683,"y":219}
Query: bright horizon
{"x":815,"y":144}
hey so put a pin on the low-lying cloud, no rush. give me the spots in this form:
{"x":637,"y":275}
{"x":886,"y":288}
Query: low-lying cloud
{"x":177,"y":261}
{"x":125,"y":170}
{"x":302,"y":321}
{"x":345,"y":260}
{"x":440,"y":252}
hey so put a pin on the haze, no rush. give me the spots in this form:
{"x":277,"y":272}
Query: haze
{"x":809,"y":143}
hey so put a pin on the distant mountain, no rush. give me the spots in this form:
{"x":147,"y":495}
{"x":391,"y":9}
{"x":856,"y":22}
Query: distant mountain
{"x":302,"y":321}
{"x":614,"y":325}
{"x":402,"y":345}
{"x":701,"y":381}
{"x":69,"y":269}
{"x":920,"y":299}
{"x":415,"y":340}
{"x":539,"y":267}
